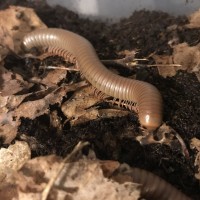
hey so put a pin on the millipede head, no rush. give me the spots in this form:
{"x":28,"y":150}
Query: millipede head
{"x":150,"y":121}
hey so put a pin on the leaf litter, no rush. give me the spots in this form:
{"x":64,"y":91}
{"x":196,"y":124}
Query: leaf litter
{"x":31,"y":93}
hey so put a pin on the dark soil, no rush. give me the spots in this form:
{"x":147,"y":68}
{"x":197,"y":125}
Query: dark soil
{"x":113,"y":138}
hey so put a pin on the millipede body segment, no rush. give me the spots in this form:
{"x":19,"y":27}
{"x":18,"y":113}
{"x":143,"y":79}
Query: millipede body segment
{"x":152,"y":186}
{"x":146,"y":97}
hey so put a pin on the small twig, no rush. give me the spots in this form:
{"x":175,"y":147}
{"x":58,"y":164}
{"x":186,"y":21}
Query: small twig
{"x":126,"y":62}
{"x":164,"y":65}
{"x":185,"y":151}
{"x":60,"y":67}
{"x":49,"y":185}
{"x":122,"y":61}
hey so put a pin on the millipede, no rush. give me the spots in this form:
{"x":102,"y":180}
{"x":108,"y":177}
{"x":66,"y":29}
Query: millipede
{"x":152,"y":186}
{"x":144,"y":96}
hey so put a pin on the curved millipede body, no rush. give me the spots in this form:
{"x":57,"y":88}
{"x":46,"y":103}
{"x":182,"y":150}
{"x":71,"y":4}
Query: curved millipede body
{"x":152,"y":186}
{"x":145,"y":95}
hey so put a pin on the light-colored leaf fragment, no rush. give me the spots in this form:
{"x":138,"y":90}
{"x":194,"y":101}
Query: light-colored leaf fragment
{"x":195,"y":144}
{"x":80,"y":180}
{"x":194,"y":20}
{"x":13,"y":158}
{"x":21,"y":20}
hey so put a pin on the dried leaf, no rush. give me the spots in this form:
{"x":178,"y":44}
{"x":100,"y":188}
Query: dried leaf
{"x":77,"y":106}
{"x":16,"y":107}
{"x":76,"y":181}
{"x":13,"y":158}
{"x":194,"y":20}
{"x":6,"y":42}
{"x":108,"y":113}
{"x":21,"y":21}
{"x":33,"y":109}
{"x":54,"y":77}
{"x":11,"y":82}
{"x":195,"y":144}
{"x":167,"y":69}
{"x":8,"y":132}
{"x":184,"y":58}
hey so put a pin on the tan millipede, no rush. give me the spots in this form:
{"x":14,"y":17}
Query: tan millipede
{"x":146,"y":97}
{"x":61,"y":52}
{"x":152,"y":186}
